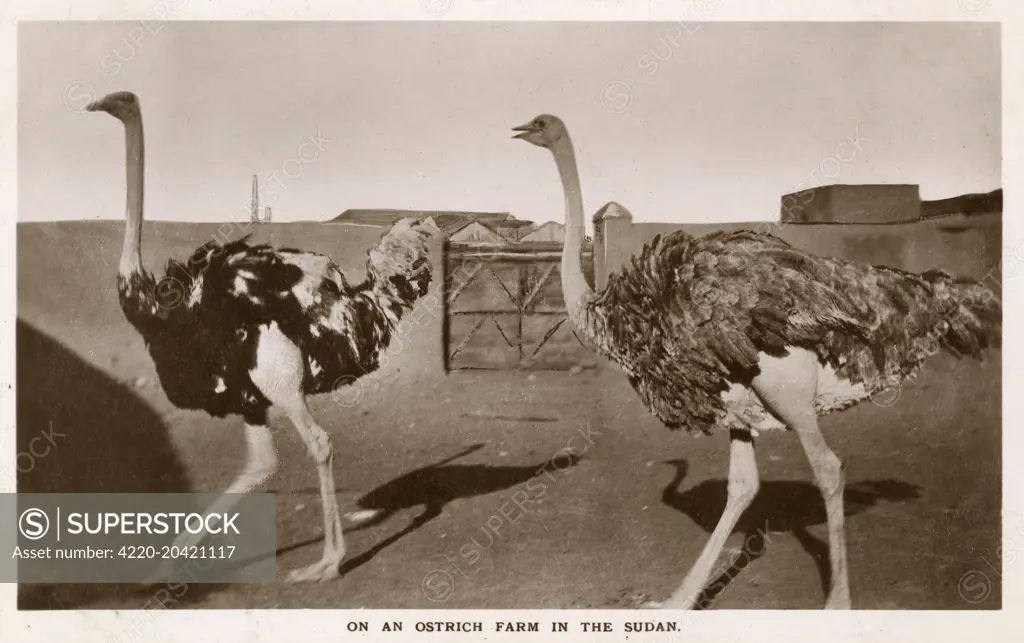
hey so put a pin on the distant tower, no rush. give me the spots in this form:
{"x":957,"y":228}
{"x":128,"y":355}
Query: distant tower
{"x":267,"y":217}
{"x":255,"y":199}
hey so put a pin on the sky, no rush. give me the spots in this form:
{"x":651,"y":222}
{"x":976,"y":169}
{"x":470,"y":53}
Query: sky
{"x":679,"y":124}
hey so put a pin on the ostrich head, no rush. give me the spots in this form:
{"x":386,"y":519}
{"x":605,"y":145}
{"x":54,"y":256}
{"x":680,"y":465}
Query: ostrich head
{"x":542,"y":131}
{"x":120,"y":105}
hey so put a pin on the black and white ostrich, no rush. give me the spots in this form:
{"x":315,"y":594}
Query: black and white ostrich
{"x":742,"y":331}
{"x":239,"y":328}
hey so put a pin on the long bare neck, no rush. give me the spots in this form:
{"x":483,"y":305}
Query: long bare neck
{"x":131,"y":254}
{"x":575,"y":288}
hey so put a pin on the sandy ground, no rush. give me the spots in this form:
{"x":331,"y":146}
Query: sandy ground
{"x":446,"y":458}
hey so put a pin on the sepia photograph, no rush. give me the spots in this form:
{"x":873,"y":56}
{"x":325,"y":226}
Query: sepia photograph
{"x":581,"y":315}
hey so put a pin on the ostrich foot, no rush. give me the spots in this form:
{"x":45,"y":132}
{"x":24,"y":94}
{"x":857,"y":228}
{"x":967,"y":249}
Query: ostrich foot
{"x":321,"y":571}
{"x":838,"y":601}
{"x":363,"y":515}
{"x":670,"y":604}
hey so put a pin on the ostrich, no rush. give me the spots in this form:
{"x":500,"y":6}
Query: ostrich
{"x":742,"y":331}
{"x":241,"y":328}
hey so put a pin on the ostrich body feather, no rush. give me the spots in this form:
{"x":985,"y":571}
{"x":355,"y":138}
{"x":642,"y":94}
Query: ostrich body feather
{"x":689,"y":317}
{"x":202,"y":320}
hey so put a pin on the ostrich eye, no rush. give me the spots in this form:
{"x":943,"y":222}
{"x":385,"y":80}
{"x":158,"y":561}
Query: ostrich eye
{"x":540,"y":124}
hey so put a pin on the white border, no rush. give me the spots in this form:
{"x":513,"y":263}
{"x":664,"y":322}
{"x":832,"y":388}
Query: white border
{"x":317,"y":625}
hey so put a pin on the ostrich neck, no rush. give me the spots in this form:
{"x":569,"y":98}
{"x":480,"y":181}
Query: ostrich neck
{"x":575,"y":289}
{"x":131,"y":255}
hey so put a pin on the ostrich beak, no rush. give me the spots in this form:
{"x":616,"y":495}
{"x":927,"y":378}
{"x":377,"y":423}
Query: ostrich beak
{"x":524,"y":131}
{"x":96,"y":106}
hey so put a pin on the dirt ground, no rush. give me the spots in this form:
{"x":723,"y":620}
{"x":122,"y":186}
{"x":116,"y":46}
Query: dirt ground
{"x":483,"y":508}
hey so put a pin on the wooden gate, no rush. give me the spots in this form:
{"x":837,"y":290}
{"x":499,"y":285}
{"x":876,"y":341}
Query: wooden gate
{"x":504,"y":308}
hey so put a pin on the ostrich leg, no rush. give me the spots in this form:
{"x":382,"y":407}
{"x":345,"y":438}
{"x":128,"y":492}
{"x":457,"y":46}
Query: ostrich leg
{"x":828,"y":473}
{"x":261,"y":464}
{"x":318,"y":441}
{"x":787,"y":386}
{"x":743,"y":486}
{"x":278,"y":374}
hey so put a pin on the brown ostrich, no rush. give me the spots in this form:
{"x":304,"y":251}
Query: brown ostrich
{"x":742,"y":331}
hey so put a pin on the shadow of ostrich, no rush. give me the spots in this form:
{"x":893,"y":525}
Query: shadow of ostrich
{"x":780,"y":506}
{"x":433,"y":487}
{"x":80,"y":431}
